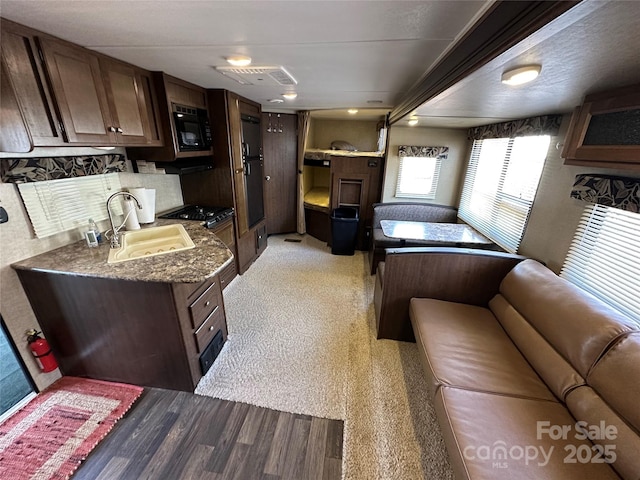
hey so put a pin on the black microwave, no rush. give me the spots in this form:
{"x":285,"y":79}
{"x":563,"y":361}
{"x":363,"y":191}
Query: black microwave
{"x":192,"y":129}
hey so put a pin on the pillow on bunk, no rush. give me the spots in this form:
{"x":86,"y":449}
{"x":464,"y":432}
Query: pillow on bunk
{"x":342,"y":145}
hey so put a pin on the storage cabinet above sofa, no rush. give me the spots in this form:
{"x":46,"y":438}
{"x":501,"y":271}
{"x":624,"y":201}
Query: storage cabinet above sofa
{"x":605,"y":130}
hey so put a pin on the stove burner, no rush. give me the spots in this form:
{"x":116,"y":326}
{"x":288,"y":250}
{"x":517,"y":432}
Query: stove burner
{"x":210,"y":215}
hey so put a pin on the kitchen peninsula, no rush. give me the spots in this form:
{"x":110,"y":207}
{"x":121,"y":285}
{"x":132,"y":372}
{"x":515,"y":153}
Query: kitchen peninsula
{"x":157,"y":321}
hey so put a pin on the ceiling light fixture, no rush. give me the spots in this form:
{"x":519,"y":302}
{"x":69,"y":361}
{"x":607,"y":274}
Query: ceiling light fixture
{"x":520,"y":75}
{"x":352,"y":111}
{"x":290,"y":95}
{"x":413,"y":122}
{"x":276,"y":100}
{"x":239,"y":60}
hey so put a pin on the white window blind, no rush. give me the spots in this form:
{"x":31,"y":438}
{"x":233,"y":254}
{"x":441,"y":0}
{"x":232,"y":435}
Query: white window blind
{"x":56,"y":206}
{"x":604,"y":257}
{"x":418,"y":177}
{"x":500,"y":186}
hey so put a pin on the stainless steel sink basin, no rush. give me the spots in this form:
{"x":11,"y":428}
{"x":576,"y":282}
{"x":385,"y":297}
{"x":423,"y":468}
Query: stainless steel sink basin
{"x":149,"y":242}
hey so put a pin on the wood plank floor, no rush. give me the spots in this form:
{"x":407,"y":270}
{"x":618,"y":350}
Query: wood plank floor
{"x":177,"y":435}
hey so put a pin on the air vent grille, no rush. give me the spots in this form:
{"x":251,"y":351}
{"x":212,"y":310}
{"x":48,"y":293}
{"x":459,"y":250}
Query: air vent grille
{"x":258,"y":75}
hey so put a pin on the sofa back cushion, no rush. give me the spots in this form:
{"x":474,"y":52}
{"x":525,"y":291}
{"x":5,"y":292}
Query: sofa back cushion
{"x":413,"y":212}
{"x":576,"y":324}
{"x":554,"y":370}
{"x":610,"y":404}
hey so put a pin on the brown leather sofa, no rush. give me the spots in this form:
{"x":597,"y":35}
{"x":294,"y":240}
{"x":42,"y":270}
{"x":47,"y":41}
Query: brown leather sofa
{"x":541,"y":382}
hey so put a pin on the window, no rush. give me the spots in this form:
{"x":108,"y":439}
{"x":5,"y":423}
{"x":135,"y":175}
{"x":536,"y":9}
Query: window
{"x":56,"y":206}
{"x":603,"y":258}
{"x":500,"y":185}
{"x":418,"y":177}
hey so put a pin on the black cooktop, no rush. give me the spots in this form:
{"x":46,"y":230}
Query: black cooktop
{"x":210,"y":215}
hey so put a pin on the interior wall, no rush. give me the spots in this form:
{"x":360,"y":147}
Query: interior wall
{"x":555,"y":215}
{"x":362,"y":134}
{"x":17,"y":242}
{"x":451,"y":170}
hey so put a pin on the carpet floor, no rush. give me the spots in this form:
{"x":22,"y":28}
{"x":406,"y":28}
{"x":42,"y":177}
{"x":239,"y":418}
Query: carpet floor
{"x":302,"y":339}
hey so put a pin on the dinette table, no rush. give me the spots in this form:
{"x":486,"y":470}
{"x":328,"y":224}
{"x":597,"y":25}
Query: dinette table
{"x":436,"y":234}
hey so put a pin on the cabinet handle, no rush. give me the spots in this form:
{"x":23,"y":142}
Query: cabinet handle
{"x":267,"y":178}
{"x":211,"y":328}
{"x":207,"y":303}
{"x":112,"y":129}
{"x":119,"y":130}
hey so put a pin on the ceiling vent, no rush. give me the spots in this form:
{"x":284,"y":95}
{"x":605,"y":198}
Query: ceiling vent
{"x":273,"y":76}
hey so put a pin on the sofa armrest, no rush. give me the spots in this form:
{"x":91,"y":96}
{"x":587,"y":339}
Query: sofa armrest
{"x":460,"y":275}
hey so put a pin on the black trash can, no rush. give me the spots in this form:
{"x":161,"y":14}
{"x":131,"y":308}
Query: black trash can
{"x":344,"y":230}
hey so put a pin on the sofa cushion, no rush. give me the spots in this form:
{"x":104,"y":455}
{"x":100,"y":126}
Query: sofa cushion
{"x":556,"y":372}
{"x":612,"y":397}
{"x":491,"y":436}
{"x":413,"y":212}
{"x":576,"y":324}
{"x":465,"y":346}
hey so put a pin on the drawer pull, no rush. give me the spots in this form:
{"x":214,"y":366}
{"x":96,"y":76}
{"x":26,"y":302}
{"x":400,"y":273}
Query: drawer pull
{"x":211,"y":328}
{"x":207,"y":303}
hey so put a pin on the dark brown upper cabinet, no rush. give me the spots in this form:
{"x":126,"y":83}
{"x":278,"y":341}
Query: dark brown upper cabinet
{"x":70,"y":95}
{"x":22,"y":69}
{"x":101,"y":101}
{"x":605,"y":131}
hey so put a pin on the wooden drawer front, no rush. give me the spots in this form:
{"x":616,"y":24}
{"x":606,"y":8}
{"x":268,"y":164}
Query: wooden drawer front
{"x":213,"y":323}
{"x":227,"y":274}
{"x":205,"y":304}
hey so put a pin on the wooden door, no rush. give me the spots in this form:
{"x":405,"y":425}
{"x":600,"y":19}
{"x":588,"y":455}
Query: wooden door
{"x":127,"y":103}
{"x":235,"y":139}
{"x":24,"y":70}
{"x":76,"y":80}
{"x":280,"y":143}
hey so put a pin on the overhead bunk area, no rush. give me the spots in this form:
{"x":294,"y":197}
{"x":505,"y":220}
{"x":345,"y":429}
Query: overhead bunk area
{"x":344,"y":172}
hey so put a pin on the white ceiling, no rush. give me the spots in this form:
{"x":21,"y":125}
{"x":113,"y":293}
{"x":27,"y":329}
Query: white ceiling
{"x":342,"y":53}
{"x":346,"y":54}
{"x":593,"y":47}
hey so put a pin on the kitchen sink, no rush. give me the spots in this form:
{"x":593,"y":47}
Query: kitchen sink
{"x":150,"y":242}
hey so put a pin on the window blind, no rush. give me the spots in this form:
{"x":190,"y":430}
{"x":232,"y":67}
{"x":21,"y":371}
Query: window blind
{"x":603,"y":257}
{"x":500,"y":185}
{"x":418,"y":177}
{"x":56,"y":206}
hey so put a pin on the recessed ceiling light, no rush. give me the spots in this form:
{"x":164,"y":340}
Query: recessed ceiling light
{"x":413,"y":122}
{"x":239,"y":60}
{"x":352,"y":111}
{"x":520,"y":75}
{"x":290,"y":95}
{"x":276,"y":100}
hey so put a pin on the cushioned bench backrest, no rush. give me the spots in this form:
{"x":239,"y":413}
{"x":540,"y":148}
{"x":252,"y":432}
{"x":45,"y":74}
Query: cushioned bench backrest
{"x":413,"y":212}
{"x":610,"y":402}
{"x":574,"y":328}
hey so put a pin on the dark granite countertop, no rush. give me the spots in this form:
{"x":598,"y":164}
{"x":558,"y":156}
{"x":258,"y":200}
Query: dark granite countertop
{"x":188,"y":266}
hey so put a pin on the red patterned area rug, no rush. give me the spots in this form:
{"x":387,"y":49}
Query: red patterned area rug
{"x":54,"y":433}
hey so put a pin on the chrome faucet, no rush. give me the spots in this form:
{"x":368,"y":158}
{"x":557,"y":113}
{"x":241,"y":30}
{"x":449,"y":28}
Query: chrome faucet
{"x":115,"y":240}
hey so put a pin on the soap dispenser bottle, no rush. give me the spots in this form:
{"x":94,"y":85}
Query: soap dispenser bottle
{"x":94,"y":228}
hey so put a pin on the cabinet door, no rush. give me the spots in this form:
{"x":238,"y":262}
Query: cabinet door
{"x":14,"y":136}
{"x":127,"y":104}
{"x":280,"y":141}
{"x":235,"y":140}
{"x":76,"y":80}
{"x":24,"y":70}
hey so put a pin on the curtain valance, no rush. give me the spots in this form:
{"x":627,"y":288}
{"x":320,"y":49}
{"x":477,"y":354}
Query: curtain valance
{"x":417,"y":151}
{"x":617,"y":192}
{"x":543,"y":125}
{"x":23,"y":170}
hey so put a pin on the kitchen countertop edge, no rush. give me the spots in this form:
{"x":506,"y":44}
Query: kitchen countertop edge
{"x":188,"y":266}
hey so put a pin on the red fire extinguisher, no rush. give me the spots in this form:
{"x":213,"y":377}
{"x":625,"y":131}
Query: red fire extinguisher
{"x":41,"y":351}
